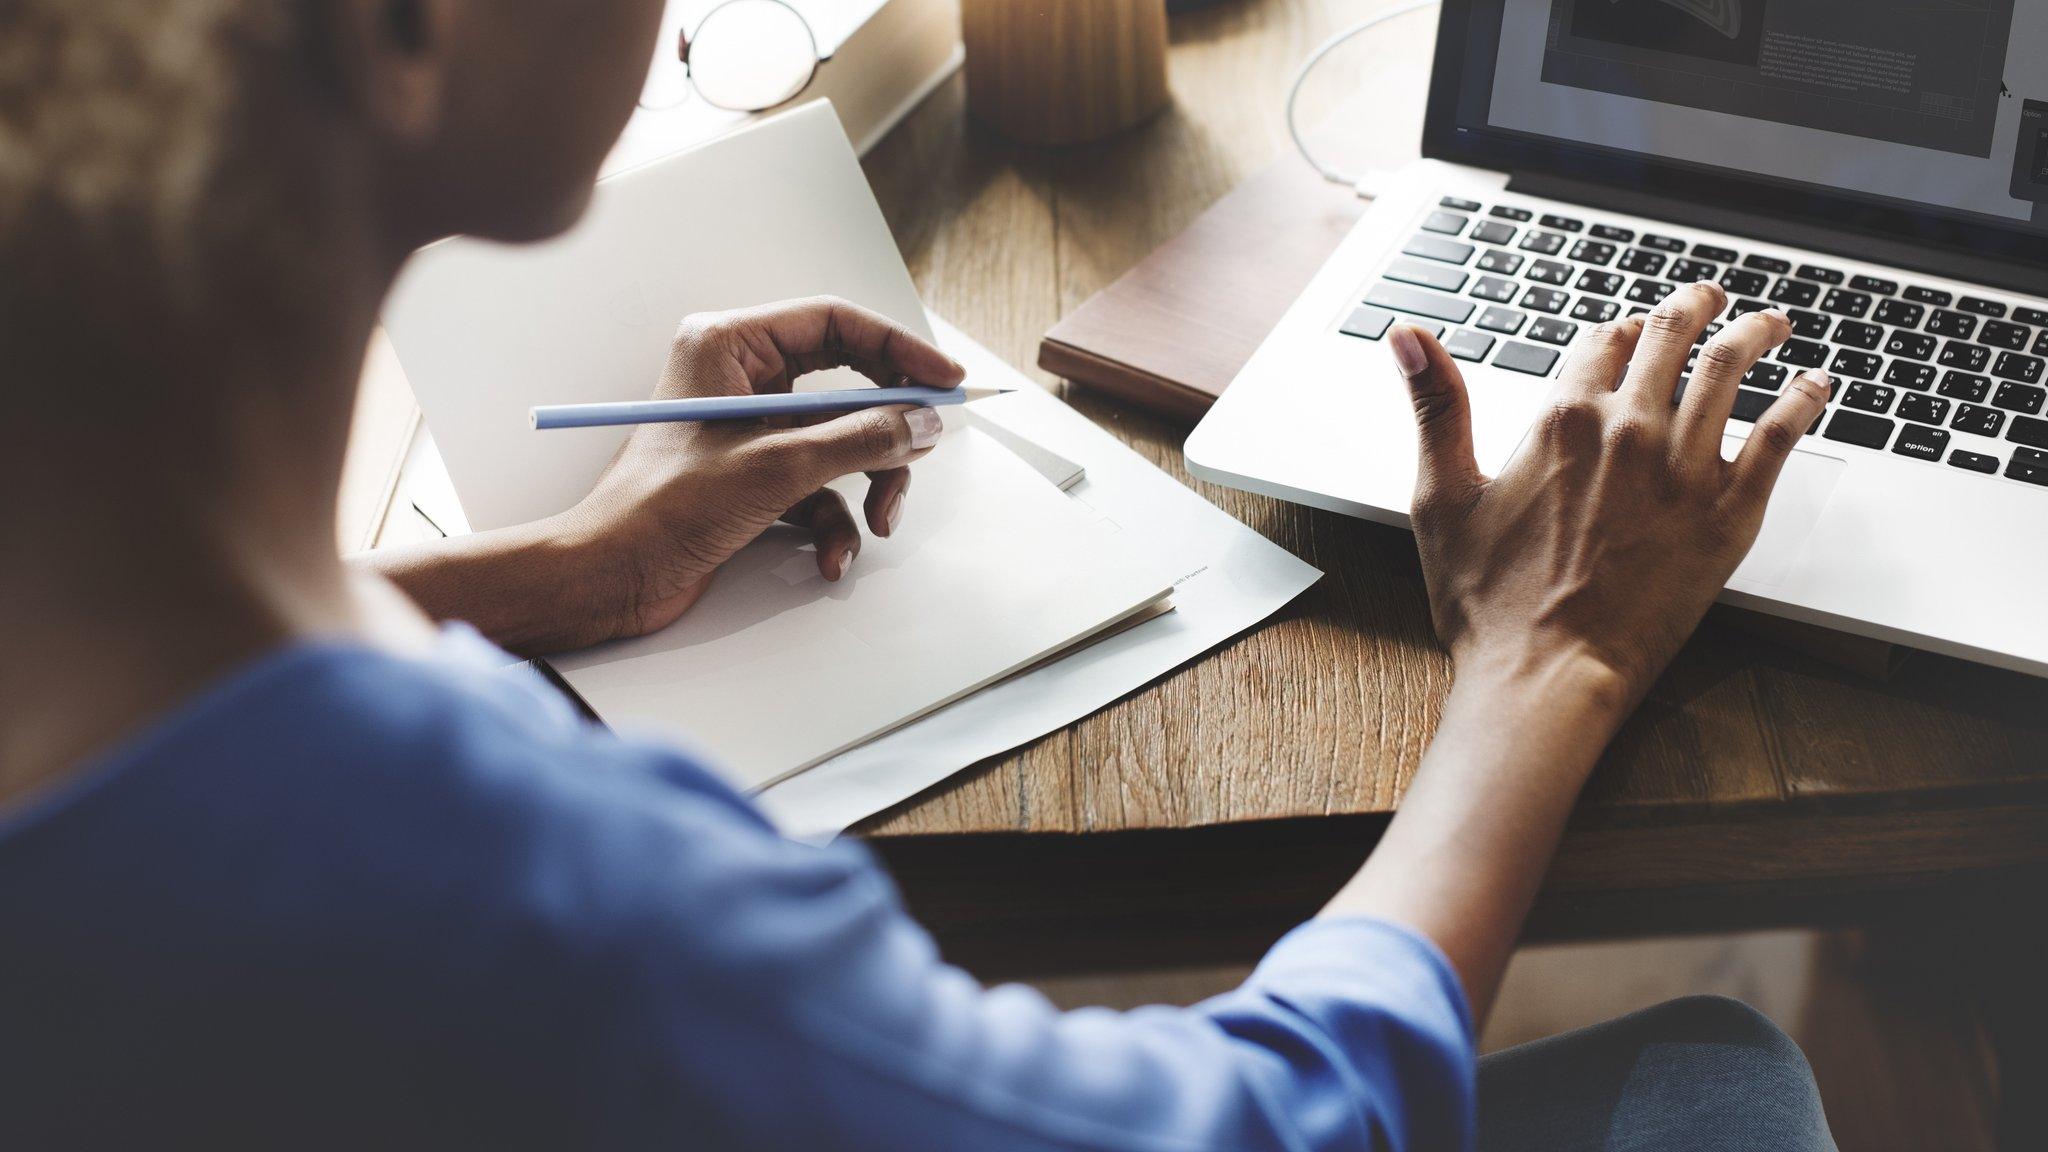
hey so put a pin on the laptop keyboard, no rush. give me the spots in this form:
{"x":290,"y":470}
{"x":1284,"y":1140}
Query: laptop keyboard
{"x":1919,"y":371}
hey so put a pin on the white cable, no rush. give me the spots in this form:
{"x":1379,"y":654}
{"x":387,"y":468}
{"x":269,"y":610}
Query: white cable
{"x":1315,"y":58}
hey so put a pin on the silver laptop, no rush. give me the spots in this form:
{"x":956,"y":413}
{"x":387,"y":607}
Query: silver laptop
{"x":1877,"y":167}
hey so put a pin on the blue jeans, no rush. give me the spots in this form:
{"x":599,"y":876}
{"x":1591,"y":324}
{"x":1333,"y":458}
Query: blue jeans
{"x":1702,"y":1074}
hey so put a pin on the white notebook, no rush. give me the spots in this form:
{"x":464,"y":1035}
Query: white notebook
{"x":774,"y":670}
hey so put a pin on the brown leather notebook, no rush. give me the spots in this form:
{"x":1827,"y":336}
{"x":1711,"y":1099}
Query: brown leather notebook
{"x":1171,"y":333}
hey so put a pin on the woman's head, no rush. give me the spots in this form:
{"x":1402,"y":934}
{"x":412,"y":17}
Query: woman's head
{"x":204,"y":146}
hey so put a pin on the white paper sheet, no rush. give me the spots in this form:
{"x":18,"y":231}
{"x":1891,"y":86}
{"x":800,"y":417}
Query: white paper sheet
{"x":776,"y":669}
{"x":1231,"y":578}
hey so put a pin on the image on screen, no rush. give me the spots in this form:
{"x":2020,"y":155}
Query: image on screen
{"x":1940,"y":104}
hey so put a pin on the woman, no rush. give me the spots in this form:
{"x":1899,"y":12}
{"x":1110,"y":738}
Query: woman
{"x":281,"y":863}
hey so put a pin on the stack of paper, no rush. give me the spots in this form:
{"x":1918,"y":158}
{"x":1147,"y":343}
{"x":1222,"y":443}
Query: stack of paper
{"x":775,"y":670}
{"x":934,"y":651}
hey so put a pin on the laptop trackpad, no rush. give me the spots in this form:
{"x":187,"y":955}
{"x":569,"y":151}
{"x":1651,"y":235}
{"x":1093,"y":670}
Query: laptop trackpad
{"x":1803,"y":491}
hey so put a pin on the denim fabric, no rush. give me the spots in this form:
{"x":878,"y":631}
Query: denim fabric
{"x":1702,"y":1074}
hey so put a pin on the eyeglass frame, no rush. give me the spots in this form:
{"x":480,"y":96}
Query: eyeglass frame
{"x":685,"y":40}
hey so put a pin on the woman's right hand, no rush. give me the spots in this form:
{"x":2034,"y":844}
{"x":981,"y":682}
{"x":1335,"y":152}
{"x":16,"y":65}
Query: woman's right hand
{"x":1603,"y":542}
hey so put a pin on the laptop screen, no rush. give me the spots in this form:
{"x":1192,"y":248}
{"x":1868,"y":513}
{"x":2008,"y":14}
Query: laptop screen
{"x":1926,"y":111}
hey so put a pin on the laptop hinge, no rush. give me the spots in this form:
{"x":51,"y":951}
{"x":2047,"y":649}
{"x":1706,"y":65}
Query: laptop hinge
{"x":2031,"y":280}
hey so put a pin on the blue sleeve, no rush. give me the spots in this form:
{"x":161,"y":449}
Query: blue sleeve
{"x":803,"y":1008}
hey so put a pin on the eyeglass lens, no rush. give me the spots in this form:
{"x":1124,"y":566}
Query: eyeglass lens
{"x":745,"y":56}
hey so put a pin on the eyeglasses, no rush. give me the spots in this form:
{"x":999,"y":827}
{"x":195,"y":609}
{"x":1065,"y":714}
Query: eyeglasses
{"x":745,"y":56}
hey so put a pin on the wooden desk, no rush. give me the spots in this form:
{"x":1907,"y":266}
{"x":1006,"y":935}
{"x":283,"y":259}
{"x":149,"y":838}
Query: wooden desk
{"x":1222,"y":804}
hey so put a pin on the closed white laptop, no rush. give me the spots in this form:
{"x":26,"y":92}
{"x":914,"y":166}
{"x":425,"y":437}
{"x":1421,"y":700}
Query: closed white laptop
{"x":1878,"y":167}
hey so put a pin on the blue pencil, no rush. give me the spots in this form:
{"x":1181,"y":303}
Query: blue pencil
{"x":751,"y":407}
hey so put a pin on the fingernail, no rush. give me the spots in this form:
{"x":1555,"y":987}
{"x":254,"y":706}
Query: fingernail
{"x":1779,"y":313}
{"x":1817,"y":383}
{"x":1409,"y":355}
{"x":925,"y":427}
{"x":893,"y":514}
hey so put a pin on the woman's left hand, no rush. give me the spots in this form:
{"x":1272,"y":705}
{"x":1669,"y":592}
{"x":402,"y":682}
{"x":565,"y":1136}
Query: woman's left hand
{"x":680,"y":500}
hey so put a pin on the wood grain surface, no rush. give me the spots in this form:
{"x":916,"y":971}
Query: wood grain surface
{"x":1774,"y":766}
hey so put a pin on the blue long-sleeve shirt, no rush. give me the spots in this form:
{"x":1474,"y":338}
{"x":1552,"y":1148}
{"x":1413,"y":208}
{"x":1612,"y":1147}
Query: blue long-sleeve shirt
{"x":346,"y":899}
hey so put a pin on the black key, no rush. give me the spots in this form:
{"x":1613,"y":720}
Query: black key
{"x":1437,"y":276}
{"x":2032,"y":316}
{"x":1495,"y":290}
{"x":1550,"y":272}
{"x":1692,"y":271}
{"x":1502,"y":320}
{"x":1922,"y":443}
{"x":1811,"y":325}
{"x":1908,"y":375}
{"x":1448,"y":223}
{"x":1954,"y":324}
{"x":1546,"y":300}
{"x":1980,"y":421}
{"x":1595,"y":311}
{"x":1740,"y":283}
{"x":1856,"y":334}
{"x":1651,"y":292}
{"x":1553,"y":331}
{"x":1767,"y":264}
{"x":1861,"y":365}
{"x":1714,"y":253}
{"x":1981,"y":306}
{"x":1868,"y":397}
{"x":1592,"y":252}
{"x":1974,"y":461}
{"x":1706,"y":334}
{"x":1506,"y":212}
{"x":1912,"y":345}
{"x":1925,"y":409}
{"x":1438,"y":248}
{"x":1841,"y":303}
{"x":1661,"y":243}
{"x":1963,"y":386}
{"x":1804,"y":353}
{"x":1505,"y":263}
{"x":1741,"y":308}
{"x":1519,"y":357}
{"x":1934,"y":296}
{"x":2019,"y":397}
{"x":1797,"y":293}
{"x":1601,"y":283}
{"x":2041,"y":344}
{"x":1466,"y":344}
{"x":1857,"y":428}
{"x":2029,"y":431}
{"x":1818,"y":274}
{"x":1767,"y":376}
{"x":1448,"y":309}
{"x":1639,"y":310}
{"x":1900,"y":314}
{"x":1563,"y":223}
{"x":1610,"y":232}
{"x":1751,"y":405}
{"x":1367,"y":323}
{"x":2000,"y":334}
{"x":1968,"y":357}
{"x":1642,"y":263}
{"x":1543,"y":243}
{"x":1493,"y":232}
{"x":2013,"y":366}
{"x":1875,"y":285}
{"x":1457,"y":205}
{"x":2028,"y":470}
